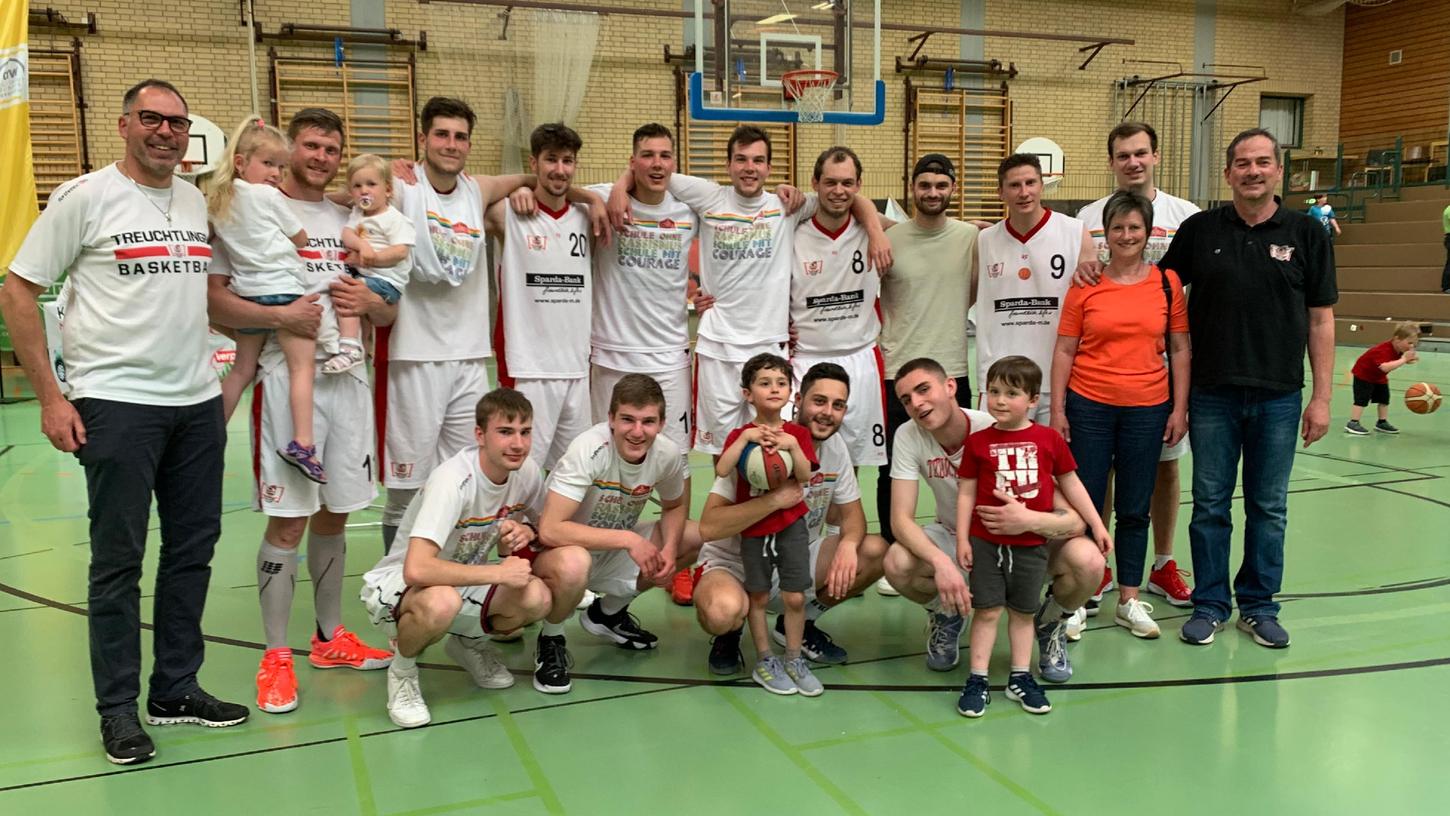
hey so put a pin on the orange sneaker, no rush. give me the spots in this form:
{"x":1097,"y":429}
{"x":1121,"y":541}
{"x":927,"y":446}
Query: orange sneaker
{"x":343,"y":649}
{"x":276,"y":682}
{"x":682,"y":590}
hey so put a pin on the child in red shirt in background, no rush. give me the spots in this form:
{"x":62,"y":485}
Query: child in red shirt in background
{"x":1372,"y":377}
{"x":1020,"y":457}
{"x":780,"y":542}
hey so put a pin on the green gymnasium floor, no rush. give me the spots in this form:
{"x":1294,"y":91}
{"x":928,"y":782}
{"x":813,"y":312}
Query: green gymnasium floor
{"x":1352,"y":718}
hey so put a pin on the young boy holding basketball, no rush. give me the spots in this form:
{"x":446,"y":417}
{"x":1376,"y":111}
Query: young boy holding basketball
{"x":780,"y":542}
{"x":1022,"y":458}
{"x":1372,"y":377}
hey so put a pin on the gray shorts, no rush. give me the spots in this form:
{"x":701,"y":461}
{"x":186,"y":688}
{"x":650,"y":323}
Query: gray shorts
{"x":787,"y":552}
{"x":1004,"y":575}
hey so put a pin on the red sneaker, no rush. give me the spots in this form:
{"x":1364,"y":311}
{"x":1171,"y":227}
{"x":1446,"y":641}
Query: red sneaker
{"x":682,"y":590}
{"x":344,"y":649}
{"x":1168,"y":582}
{"x":1107,"y":585}
{"x":276,"y":682}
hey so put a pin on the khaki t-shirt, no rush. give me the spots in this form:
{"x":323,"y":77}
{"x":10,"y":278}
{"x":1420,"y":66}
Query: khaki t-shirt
{"x":924,"y":297}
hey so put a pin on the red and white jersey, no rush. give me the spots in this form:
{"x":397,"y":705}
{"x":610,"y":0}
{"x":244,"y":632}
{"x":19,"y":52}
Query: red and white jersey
{"x":1021,"y":282}
{"x":135,"y":326}
{"x":745,"y":263}
{"x":640,"y":321}
{"x":833,"y":289}
{"x":444,"y":315}
{"x":1168,"y":213}
{"x":917,"y":457}
{"x":544,"y":297}
{"x":612,"y":493}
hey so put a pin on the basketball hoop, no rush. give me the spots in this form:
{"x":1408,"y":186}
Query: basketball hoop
{"x":810,"y":90}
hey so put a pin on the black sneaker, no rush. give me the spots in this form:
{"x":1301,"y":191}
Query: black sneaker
{"x":197,"y":707}
{"x":725,"y":653}
{"x":1355,"y":428}
{"x":1023,"y":689}
{"x":623,"y":628}
{"x":126,"y":743}
{"x":551,"y":665}
{"x":1384,"y":426}
{"x":815,"y":644}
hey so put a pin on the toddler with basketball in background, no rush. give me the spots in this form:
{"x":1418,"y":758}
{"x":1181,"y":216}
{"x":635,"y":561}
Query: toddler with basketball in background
{"x":381,"y":242}
{"x":1372,"y":377}
{"x":779,"y":543}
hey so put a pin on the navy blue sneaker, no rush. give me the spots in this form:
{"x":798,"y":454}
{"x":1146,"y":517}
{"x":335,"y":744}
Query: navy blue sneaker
{"x":1023,"y":689}
{"x":976,"y":696}
{"x":1199,"y":629}
{"x":1265,"y":629}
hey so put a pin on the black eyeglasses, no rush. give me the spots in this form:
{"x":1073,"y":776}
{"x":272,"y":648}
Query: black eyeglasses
{"x":152,"y":120}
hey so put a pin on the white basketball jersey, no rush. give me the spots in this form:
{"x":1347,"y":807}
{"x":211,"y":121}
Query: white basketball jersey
{"x":1021,"y":282}
{"x":544,"y":293}
{"x":833,"y":289}
{"x":1168,"y":213}
{"x":612,"y":493}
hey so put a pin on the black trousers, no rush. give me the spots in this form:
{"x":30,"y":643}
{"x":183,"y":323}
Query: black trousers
{"x":1445,"y":275}
{"x":131,"y":451}
{"x":896,"y":416}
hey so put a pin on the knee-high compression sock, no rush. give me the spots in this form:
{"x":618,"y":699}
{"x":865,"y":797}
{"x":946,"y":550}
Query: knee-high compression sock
{"x":276,"y":578}
{"x":393,"y":509}
{"x":326,"y":555}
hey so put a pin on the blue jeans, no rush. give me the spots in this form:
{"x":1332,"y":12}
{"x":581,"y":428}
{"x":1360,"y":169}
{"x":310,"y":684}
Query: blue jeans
{"x":1125,"y":440}
{"x":1263,"y":425}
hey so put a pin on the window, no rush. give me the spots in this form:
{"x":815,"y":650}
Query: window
{"x":1283,"y":116}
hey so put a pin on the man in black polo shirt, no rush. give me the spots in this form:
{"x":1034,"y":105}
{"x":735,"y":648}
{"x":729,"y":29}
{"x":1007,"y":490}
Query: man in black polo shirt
{"x":1263,"y":286}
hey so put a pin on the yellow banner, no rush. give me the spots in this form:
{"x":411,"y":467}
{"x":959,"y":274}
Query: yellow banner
{"x":17,"y":174}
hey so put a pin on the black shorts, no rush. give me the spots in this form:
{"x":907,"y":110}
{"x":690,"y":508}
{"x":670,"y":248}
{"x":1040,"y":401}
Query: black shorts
{"x":787,"y":553}
{"x":1366,"y":392}
{"x":1003,"y":575}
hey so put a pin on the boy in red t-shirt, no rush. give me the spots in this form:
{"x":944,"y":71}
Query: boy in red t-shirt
{"x":1018,"y":457}
{"x":780,"y":542}
{"x":1372,"y":376}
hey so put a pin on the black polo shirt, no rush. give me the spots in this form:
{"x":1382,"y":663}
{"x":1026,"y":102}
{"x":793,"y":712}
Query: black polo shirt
{"x":1248,"y":313}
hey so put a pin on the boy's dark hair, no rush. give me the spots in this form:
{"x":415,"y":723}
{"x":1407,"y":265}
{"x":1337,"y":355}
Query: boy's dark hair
{"x":317,"y":118}
{"x":1127,"y":129}
{"x":445,"y":106}
{"x":824,"y":371}
{"x":129,"y":98}
{"x":1015,"y":161}
{"x":554,"y":136}
{"x":504,"y":403}
{"x":763,"y":362}
{"x":653,"y":130}
{"x":926,"y":364}
{"x":637,"y":389}
{"x":836,"y":154}
{"x":747,"y":135}
{"x":1245,"y":136}
{"x":1016,"y":372}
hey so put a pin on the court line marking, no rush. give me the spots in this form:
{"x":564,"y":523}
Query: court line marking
{"x":469,"y":803}
{"x":526,"y":756}
{"x":362,"y":780}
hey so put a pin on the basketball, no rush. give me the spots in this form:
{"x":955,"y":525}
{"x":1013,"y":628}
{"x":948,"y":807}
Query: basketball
{"x":1422,"y":398}
{"x":764,"y":470}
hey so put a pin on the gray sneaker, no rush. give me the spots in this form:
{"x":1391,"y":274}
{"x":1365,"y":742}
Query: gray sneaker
{"x":943,"y":641}
{"x":770,"y":674}
{"x":1052,"y":662}
{"x":1355,"y":428}
{"x":805,"y":682}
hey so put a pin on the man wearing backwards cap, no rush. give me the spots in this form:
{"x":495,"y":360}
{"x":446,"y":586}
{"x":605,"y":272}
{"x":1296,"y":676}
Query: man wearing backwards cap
{"x":924,"y":297}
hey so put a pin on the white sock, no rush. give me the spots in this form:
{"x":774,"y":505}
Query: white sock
{"x":276,"y":580}
{"x":933,"y":605}
{"x":815,"y":609}
{"x":612,"y":605}
{"x":1053,"y":610}
{"x":403,"y":665}
{"x":547,"y":629}
{"x":1160,"y":560}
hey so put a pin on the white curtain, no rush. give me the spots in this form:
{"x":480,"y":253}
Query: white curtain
{"x":1281,"y":115}
{"x":564,"y":43}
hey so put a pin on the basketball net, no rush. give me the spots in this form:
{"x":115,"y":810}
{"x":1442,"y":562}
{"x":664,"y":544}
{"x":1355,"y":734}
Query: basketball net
{"x":810,"y":92}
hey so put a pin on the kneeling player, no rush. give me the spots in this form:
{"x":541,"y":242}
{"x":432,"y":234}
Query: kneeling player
{"x":437,"y":580}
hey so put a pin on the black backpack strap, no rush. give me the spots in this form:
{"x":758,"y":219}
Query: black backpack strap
{"x":1168,"y":330}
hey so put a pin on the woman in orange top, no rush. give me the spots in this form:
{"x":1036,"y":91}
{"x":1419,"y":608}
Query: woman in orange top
{"x":1111,"y":392}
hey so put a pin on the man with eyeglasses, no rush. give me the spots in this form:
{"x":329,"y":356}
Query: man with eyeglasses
{"x":144,"y":414}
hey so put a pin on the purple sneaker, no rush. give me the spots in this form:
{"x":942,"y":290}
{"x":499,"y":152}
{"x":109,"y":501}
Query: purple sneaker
{"x":305,"y":460}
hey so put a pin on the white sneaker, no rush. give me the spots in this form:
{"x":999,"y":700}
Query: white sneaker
{"x":884,"y":587}
{"x":405,"y":700}
{"x":1136,"y":616}
{"x":481,"y":662}
{"x":585,"y":601}
{"x":1076,"y":622}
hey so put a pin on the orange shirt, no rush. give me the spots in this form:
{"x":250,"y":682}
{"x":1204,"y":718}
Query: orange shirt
{"x":1120,"y":351}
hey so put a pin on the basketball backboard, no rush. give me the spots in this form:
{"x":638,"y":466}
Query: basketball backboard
{"x":743,"y":47}
{"x":204,"y":149}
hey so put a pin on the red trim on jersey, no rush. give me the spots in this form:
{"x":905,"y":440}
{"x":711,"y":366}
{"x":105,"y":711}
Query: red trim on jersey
{"x":256,"y":429}
{"x":881,"y":369}
{"x":381,"y":336}
{"x":694,"y":400}
{"x":500,"y":353}
{"x":1046,"y":214}
{"x":832,"y":235}
{"x":160,"y":252}
{"x":310,"y":254}
{"x":543,"y":208}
